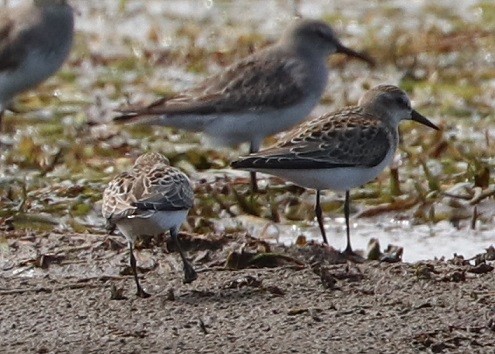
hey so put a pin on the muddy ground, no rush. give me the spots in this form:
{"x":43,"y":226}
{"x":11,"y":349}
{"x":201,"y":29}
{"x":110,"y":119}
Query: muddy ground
{"x":65,"y":285}
{"x":250,"y":297}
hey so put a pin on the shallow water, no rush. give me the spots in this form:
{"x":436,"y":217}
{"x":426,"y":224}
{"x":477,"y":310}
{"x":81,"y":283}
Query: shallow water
{"x":420,"y":242}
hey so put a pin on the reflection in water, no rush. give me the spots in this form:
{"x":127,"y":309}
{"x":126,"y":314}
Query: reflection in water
{"x":420,"y":242}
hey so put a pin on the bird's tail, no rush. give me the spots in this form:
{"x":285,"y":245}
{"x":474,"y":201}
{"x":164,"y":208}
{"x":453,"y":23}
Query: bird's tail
{"x":129,"y":117}
{"x":141,"y":114}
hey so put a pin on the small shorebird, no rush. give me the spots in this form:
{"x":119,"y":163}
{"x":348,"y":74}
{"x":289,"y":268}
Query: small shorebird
{"x":266,"y":93}
{"x":339,"y":150}
{"x":35,"y":40}
{"x":148,"y":200}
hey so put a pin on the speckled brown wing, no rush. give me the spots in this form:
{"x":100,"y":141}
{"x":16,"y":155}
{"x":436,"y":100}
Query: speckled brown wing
{"x":117,"y":197}
{"x":141,"y":192}
{"x":263,"y":81}
{"x":347,"y":138}
{"x":167,"y":189}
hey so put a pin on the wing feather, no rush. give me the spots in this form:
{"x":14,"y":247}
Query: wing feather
{"x":347,"y":138}
{"x":261,"y":81}
{"x":142,"y":192}
{"x":168,"y":192}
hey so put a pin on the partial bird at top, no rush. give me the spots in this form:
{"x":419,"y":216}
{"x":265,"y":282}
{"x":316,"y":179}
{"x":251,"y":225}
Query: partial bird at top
{"x":35,"y":40}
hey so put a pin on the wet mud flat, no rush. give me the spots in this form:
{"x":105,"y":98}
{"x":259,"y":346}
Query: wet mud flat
{"x":73,"y":295}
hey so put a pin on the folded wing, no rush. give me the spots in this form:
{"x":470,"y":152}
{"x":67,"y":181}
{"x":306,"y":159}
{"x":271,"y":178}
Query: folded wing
{"x":142,"y":193}
{"x":249,"y":85}
{"x":337,"y":140}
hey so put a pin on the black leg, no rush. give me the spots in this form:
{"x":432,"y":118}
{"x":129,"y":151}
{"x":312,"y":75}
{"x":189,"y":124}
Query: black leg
{"x":348,"y":249}
{"x":2,"y":111}
{"x":140,"y":291}
{"x":190,"y":274}
{"x":254,"y":181}
{"x":319,"y":217}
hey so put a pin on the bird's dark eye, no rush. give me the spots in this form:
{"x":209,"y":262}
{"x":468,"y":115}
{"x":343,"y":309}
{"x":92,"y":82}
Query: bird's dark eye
{"x":322,"y":33}
{"x":402,"y":101}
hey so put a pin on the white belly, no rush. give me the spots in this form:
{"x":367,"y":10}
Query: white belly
{"x":232,"y":129}
{"x":338,"y":179}
{"x":158,"y":223}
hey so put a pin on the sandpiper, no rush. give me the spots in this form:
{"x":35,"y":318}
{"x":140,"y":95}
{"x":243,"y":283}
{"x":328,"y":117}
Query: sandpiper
{"x":150,"y":199}
{"x":340,"y":150}
{"x":266,"y":93}
{"x":35,"y":40}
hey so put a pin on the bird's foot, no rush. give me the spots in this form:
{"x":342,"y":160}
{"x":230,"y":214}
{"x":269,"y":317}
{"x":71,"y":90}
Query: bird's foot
{"x":190,"y":274}
{"x":142,"y":294}
{"x":352,"y":256}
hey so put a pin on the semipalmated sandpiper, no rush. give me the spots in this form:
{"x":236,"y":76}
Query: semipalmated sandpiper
{"x":266,"y":93}
{"x":150,"y":199}
{"x":35,"y":40}
{"x":340,"y":150}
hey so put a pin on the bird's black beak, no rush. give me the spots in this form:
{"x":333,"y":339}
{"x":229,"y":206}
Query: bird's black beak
{"x":423,"y":120}
{"x":352,"y":53}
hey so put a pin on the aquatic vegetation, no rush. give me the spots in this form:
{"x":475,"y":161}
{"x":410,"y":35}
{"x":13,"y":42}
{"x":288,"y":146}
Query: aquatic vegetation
{"x":59,"y":152}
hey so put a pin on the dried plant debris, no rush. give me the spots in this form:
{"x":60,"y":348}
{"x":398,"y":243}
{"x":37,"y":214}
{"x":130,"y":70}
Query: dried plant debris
{"x":481,"y":268}
{"x":253,"y":282}
{"x":458,"y":270}
{"x":117,"y":293}
{"x":489,"y":255}
{"x":318,"y":253}
{"x":247,"y":280}
{"x":392,"y":254}
{"x":331,"y":275}
{"x":245,"y":259}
